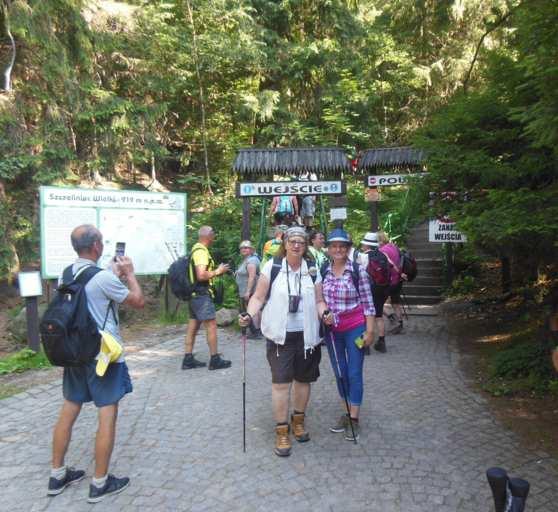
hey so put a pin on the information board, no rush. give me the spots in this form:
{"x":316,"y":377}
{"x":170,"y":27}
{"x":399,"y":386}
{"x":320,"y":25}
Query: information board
{"x":151,"y":224}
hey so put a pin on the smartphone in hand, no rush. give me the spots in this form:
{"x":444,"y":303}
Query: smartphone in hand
{"x":120,"y":249}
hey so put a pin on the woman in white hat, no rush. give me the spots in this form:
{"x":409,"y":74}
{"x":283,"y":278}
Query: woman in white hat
{"x":290,"y":287}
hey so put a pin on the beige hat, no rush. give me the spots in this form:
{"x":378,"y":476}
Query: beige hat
{"x":245,"y":243}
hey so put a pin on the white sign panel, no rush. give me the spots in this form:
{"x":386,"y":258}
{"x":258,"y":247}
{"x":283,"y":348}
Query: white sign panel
{"x":440,"y":231}
{"x":289,"y":188}
{"x":389,"y":180}
{"x":338,"y":214}
{"x":30,"y":284}
{"x":151,"y":224}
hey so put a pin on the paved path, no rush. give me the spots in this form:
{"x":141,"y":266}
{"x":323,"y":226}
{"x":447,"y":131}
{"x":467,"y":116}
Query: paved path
{"x":425,"y":445}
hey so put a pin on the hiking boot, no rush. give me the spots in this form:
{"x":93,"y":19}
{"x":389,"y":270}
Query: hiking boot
{"x":367,"y":350}
{"x":218,"y":363}
{"x":340,"y":425}
{"x":112,"y":486}
{"x":190,"y":362}
{"x":56,"y":486}
{"x":297,"y":424}
{"x":398,"y":329}
{"x":380,"y":345}
{"x":282,"y":441}
{"x":349,"y":432}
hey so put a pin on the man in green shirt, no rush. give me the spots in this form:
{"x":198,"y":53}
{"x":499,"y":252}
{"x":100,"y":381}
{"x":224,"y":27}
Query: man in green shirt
{"x":202,"y":307}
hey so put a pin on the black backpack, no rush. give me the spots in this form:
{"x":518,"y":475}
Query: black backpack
{"x":178,"y":273}
{"x":69,"y":333}
{"x":408,"y":265}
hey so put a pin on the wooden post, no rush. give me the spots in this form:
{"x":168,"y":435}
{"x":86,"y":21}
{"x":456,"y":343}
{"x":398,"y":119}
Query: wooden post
{"x":32,"y":316}
{"x":245,"y":234}
{"x":374,"y":216}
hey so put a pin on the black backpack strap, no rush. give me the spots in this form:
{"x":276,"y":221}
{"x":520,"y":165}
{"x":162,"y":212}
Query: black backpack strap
{"x":84,"y":277}
{"x":355,"y":274}
{"x":311,"y":263}
{"x":275,"y":269}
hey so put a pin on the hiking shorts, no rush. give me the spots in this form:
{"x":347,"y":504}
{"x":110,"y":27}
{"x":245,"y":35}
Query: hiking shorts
{"x":395,"y":293}
{"x":202,"y":308}
{"x":287,"y":362}
{"x":379,"y":296}
{"x":81,"y":384}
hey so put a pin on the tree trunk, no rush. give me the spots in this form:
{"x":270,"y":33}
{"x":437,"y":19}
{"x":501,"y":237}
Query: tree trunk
{"x":202,"y":97}
{"x":8,"y":71}
{"x":506,"y":274}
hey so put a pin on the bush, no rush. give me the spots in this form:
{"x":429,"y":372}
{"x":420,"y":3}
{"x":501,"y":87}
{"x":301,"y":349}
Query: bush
{"x":523,"y":366}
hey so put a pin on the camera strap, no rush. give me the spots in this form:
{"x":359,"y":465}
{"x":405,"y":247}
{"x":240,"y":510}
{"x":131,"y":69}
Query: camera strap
{"x":299,"y":279}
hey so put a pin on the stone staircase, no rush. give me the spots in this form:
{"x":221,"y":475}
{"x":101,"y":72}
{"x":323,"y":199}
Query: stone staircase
{"x":426,"y":289}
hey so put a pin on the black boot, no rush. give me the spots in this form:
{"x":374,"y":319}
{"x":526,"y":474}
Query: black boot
{"x":380,"y":345}
{"x":218,"y":363}
{"x":189,"y":362}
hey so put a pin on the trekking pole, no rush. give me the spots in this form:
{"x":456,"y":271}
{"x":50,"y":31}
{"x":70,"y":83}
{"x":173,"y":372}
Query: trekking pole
{"x":243,"y":330}
{"x":332,"y":341}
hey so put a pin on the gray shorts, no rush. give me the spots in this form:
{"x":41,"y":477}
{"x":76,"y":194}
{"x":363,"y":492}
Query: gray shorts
{"x":288,"y":361}
{"x":202,"y":308}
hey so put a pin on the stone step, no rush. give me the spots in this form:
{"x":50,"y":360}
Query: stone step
{"x":425,"y":252}
{"x":431,"y":273}
{"x":422,"y":299}
{"x":429,"y":263}
{"x":415,"y":288}
{"x":436,"y":279}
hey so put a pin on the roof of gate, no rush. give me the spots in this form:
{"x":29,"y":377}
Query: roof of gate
{"x":405,"y":156}
{"x":289,"y":161}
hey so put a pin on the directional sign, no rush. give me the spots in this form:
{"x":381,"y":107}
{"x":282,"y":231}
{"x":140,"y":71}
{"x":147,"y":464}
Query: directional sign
{"x":389,"y":180}
{"x":290,"y":188}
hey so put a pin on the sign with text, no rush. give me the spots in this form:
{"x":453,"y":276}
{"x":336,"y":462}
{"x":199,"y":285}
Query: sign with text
{"x":290,"y":188}
{"x":444,"y":231}
{"x":338,"y":214}
{"x":151,"y":224}
{"x":389,"y":180}
{"x":372,"y":195}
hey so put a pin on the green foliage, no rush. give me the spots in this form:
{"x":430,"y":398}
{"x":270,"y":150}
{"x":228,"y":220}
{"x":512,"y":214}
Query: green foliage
{"x":525,"y":365}
{"x":462,"y":285}
{"x":25,"y":359}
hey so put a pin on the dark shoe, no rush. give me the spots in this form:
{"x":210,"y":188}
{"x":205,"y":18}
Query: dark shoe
{"x":398,"y":329}
{"x":349,"y":431}
{"x":218,"y":363}
{"x":190,"y":362}
{"x":113,"y":486}
{"x":282,"y":441}
{"x":297,"y":424}
{"x":56,"y":486}
{"x":380,"y":345}
{"x":340,"y":425}
{"x":366,"y":350}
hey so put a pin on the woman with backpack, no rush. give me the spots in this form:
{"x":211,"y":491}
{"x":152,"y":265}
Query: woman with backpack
{"x":290,"y":287}
{"x":396,"y":280}
{"x":350,"y":321}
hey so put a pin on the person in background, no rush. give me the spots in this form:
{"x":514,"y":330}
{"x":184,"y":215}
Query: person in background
{"x":370,"y":248}
{"x":283,"y":207}
{"x":271,"y":247}
{"x":202,"y":308}
{"x":316,"y":248}
{"x":396,"y":280}
{"x":81,"y":384}
{"x":292,"y":294}
{"x":308,"y":210}
{"x":246,"y":278}
{"x":351,"y":317}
